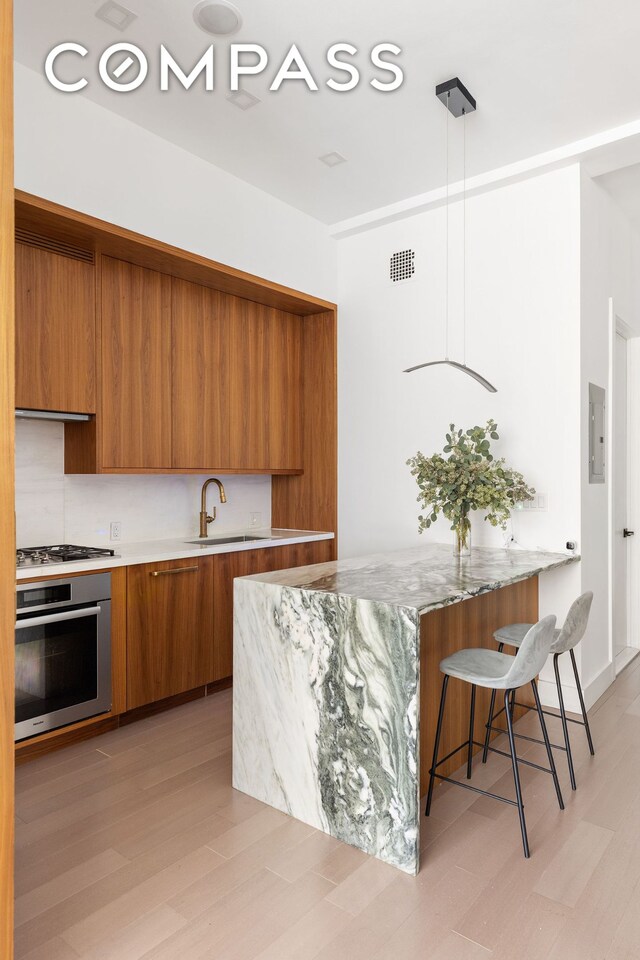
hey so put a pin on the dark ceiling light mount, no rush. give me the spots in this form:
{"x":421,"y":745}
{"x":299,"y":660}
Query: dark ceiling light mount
{"x":456,"y":98}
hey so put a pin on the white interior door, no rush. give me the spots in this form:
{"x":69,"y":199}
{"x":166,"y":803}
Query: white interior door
{"x":620,"y":503}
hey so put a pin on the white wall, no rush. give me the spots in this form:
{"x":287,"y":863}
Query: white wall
{"x":54,"y":508}
{"x":523,"y":335}
{"x":72,"y":151}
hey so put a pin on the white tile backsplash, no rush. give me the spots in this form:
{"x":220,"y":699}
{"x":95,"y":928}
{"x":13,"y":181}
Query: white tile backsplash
{"x":54,"y":508}
{"x":39,"y":483}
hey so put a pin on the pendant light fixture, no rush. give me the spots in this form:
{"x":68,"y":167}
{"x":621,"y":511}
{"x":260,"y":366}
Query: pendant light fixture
{"x":459,"y":102}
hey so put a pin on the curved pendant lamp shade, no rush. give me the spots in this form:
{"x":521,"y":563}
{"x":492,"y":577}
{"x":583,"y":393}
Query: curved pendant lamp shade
{"x":459,"y":102}
{"x":459,"y":366}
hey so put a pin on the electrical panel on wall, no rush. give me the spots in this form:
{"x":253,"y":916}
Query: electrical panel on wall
{"x":597,"y":422}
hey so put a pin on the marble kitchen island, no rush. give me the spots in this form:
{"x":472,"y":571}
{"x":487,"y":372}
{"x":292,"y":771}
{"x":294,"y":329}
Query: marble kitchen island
{"x":336,"y":682}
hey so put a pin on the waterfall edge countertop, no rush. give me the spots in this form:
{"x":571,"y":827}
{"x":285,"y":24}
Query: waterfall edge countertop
{"x":421,"y":578}
{"x":327,"y":683}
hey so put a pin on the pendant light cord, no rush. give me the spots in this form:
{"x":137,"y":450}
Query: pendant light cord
{"x":446,"y":255}
{"x":464,"y":236}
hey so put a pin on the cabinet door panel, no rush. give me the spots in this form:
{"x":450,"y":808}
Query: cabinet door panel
{"x":169,"y":628}
{"x":237,"y":382}
{"x":265,"y":376}
{"x":227,"y":566}
{"x":55,"y":331}
{"x":136,"y":367}
{"x":200,"y":409}
{"x":284,"y":388}
{"x":248,"y":409}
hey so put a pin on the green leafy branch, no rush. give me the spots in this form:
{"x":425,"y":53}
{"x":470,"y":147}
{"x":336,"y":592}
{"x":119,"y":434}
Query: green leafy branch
{"x":468,"y":479}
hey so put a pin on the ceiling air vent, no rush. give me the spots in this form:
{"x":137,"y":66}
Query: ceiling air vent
{"x":61,"y":247}
{"x":402,"y":265}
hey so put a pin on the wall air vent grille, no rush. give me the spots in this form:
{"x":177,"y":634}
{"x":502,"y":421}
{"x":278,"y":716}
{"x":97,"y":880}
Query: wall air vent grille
{"x":402,"y":265}
{"x":54,"y":246}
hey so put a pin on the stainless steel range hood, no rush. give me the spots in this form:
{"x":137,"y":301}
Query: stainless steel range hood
{"x":62,"y":415}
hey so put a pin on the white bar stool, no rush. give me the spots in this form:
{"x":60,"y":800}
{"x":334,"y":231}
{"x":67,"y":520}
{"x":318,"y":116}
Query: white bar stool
{"x":498,"y":671}
{"x":564,"y":641}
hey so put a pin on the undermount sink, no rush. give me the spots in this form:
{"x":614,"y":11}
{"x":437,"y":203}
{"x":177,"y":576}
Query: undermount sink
{"x":211,"y":541}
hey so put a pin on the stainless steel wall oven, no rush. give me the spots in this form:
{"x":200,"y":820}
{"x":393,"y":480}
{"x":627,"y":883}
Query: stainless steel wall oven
{"x":63,"y":652}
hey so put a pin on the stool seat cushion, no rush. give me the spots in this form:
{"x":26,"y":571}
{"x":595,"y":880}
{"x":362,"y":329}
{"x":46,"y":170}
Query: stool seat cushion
{"x":514,"y":633}
{"x":485,"y":668}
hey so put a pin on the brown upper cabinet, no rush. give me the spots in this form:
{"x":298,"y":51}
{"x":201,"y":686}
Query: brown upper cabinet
{"x":200,"y":380}
{"x":189,"y":365}
{"x":237,"y":373}
{"x":193,"y":379}
{"x":55,"y":329}
{"x":136,"y":367}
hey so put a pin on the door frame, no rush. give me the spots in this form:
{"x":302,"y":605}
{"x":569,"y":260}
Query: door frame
{"x":619,"y":327}
{"x":7,"y":483}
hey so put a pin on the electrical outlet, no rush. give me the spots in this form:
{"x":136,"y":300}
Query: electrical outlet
{"x":537,"y":505}
{"x":255,"y":518}
{"x":115,"y":530}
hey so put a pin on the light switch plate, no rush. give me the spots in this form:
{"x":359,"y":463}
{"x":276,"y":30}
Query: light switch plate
{"x":539,"y":503}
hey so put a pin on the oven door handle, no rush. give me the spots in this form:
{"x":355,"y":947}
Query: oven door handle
{"x":58,"y":617}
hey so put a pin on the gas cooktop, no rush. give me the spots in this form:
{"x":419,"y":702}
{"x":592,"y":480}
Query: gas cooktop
{"x":59,"y":553}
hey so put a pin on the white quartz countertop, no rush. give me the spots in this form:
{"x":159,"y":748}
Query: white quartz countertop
{"x":153,"y":551}
{"x":422,"y":578}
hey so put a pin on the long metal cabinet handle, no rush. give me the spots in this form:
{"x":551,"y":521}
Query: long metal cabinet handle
{"x":162,"y":573}
{"x":58,"y":617}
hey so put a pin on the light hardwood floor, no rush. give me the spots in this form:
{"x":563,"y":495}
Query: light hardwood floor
{"x":133,"y":846}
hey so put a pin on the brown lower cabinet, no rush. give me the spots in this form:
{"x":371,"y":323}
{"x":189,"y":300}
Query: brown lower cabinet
{"x":180,"y":617}
{"x":169,"y":628}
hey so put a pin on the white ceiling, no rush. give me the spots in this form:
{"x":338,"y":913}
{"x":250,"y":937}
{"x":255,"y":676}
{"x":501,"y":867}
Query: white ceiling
{"x":544,"y":73}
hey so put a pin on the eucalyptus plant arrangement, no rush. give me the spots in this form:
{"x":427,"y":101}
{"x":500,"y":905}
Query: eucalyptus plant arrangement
{"x":466,"y":477}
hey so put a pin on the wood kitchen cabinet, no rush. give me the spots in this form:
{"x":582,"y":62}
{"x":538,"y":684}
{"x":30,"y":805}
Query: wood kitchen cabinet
{"x":227,"y":566}
{"x":124,"y":330}
{"x":136,"y":367}
{"x":265,"y":396}
{"x":55,"y":329}
{"x":237,"y":373}
{"x":169,"y":628}
{"x":200,"y":376}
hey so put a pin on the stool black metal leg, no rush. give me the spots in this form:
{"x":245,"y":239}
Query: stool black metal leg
{"x":516,"y":775}
{"x":472,"y":714}
{"x":545,"y":735}
{"x":436,"y":746}
{"x":565,"y":725}
{"x":582,"y":707}
{"x":492,"y":707}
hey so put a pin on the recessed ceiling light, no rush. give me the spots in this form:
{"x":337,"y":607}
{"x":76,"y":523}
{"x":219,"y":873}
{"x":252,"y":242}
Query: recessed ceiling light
{"x":243,"y":100}
{"x":218,"y":17}
{"x":332,"y":159}
{"x":115,"y":15}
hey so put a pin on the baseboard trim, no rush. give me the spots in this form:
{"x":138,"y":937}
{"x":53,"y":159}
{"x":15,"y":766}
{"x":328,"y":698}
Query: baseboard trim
{"x":591,"y":692}
{"x":596,"y":687}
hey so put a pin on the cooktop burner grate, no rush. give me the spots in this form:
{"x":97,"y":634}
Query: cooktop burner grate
{"x":60,"y":553}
